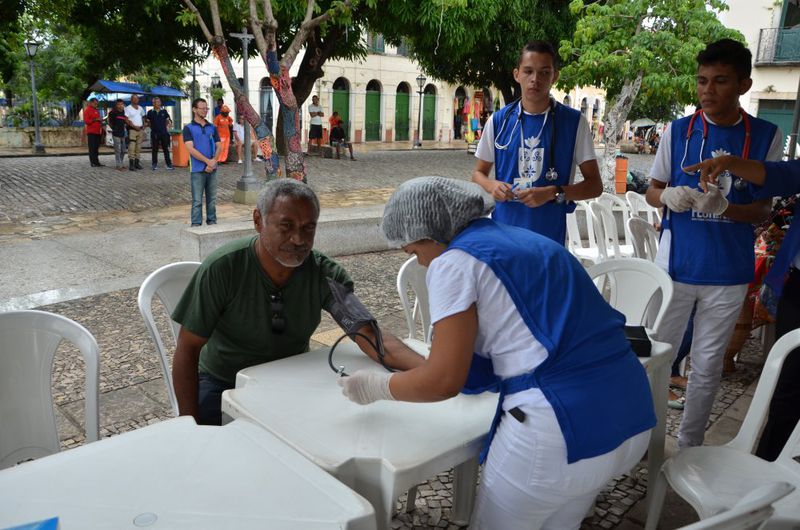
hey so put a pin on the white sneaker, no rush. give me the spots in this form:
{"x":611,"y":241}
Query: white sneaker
{"x":239,"y":162}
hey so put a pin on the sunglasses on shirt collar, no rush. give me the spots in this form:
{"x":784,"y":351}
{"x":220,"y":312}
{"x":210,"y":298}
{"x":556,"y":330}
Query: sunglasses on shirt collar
{"x":277,"y":318}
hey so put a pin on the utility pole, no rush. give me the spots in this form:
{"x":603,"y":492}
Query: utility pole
{"x":247,"y":187}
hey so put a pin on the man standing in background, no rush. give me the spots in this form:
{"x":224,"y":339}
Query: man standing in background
{"x":159,"y":121}
{"x":315,"y":131}
{"x":94,"y":130}
{"x":135,"y":115}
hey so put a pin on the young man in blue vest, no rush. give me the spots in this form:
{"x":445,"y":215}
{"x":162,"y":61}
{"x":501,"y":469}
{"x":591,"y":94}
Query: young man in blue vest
{"x":707,"y":239}
{"x":536,"y":143}
{"x":202,"y":141}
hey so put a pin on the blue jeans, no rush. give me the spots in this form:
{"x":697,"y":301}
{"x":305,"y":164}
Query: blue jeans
{"x":209,"y":399}
{"x":204,"y":182}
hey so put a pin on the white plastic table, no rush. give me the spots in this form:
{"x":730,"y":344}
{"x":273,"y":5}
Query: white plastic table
{"x":383,"y":449}
{"x":380,"y":450}
{"x":178,"y":475}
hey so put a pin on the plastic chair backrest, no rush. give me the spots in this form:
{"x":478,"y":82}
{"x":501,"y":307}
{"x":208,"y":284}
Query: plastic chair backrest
{"x":28,"y":343}
{"x":750,"y":513}
{"x":412,"y":275}
{"x":756,"y":416}
{"x":637,"y":288}
{"x":610,"y":200}
{"x":644,"y":237}
{"x":168,"y":284}
{"x":639,"y":206}
{"x":605,"y":229}
{"x":573,"y":234}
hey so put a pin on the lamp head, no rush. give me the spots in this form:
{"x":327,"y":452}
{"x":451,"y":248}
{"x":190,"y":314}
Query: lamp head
{"x":31,"y":46}
{"x":421,"y":80}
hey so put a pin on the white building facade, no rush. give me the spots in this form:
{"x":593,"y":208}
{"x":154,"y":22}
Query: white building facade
{"x":772,"y":30}
{"x":379,"y":97}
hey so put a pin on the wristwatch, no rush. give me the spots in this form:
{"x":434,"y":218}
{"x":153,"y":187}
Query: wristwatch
{"x":561,"y":196}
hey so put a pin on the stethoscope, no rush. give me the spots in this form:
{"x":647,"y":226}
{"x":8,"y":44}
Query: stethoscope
{"x":551,"y":174}
{"x":739,"y":184}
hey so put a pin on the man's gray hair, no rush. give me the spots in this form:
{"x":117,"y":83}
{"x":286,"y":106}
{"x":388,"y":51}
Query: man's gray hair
{"x":285,"y":187}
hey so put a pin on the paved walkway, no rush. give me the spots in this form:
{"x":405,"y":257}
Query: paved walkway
{"x":78,"y":241}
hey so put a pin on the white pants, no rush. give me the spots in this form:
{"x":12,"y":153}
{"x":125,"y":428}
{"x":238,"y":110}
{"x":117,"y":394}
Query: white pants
{"x":527,"y":483}
{"x":718,"y":307}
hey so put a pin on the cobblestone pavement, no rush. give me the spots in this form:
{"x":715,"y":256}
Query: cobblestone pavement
{"x":133,"y":395}
{"x":32,"y":188}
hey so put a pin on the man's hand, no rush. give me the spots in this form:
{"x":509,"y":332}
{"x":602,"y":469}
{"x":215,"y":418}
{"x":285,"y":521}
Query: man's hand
{"x":711,"y":168}
{"x":679,"y":199}
{"x":211,"y":164}
{"x":537,"y":196}
{"x":501,"y":191}
{"x":366,"y":386}
{"x":711,"y":201}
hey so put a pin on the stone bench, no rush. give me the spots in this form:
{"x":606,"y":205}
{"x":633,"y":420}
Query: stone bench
{"x":340,"y":232}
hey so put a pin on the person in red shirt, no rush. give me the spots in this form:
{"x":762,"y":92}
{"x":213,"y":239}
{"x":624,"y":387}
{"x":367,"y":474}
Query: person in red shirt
{"x":94,"y":129}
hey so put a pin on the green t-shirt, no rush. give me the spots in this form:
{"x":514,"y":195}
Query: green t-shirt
{"x":228,"y":301}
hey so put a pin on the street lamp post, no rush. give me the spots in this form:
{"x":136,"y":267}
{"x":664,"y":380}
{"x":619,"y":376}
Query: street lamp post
{"x":31,"y":47}
{"x":247,"y":187}
{"x":214,"y":84}
{"x":421,"y":80}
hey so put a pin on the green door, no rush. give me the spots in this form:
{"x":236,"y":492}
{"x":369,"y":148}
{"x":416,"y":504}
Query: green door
{"x":429,"y":117}
{"x":341,"y":104}
{"x":372,"y":123}
{"x":778,"y":112}
{"x":401,"y":116}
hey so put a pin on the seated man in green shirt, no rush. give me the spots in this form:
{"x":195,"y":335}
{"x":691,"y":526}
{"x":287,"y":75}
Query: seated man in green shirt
{"x":258,"y":299}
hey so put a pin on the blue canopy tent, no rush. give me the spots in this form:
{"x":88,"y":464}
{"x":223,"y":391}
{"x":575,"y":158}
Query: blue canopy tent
{"x":105,"y":90}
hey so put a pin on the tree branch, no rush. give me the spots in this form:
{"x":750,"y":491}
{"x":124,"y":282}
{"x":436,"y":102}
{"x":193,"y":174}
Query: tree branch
{"x":305,"y":29}
{"x":214,"y":5}
{"x":200,"y":21}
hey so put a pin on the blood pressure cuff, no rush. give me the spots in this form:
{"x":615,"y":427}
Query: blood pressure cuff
{"x":347,"y":310}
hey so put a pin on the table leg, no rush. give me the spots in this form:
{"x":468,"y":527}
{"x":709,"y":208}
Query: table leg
{"x":659,"y":383}
{"x":465,"y":480}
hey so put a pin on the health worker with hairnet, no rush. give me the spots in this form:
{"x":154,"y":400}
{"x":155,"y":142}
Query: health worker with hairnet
{"x":514,"y":312}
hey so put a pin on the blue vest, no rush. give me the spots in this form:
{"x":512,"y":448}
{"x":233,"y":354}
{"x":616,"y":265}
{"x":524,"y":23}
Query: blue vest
{"x":597,"y":387}
{"x":708,"y":249}
{"x":204,"y":138}
{"x":548,"y":219}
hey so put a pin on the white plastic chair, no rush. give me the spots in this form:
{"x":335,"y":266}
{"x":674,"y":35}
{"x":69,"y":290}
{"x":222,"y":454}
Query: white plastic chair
{"x":750,"y":513}
{"x":574,"y":241}
{"x":168,"y":284}
{"x":28,"y":343}
{"x":610,"y":200}
{"x":638,"y":289}
{"x":639,"y":206}
{"x":412,"y":276}
{"x":644,"y":238}
{"x":605,"y":229}
{"x":713,"y":479}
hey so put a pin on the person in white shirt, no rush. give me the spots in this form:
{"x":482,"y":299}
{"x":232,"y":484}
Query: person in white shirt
{"x":315,"y":131}
{"x":238,"y":139}
{"x":135,"y":115}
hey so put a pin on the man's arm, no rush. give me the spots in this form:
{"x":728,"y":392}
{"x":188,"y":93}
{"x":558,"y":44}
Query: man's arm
{"x":501,"y":191}
{"x":754,"y":213}
{"x":653,"y":194}
{"x":196,"y":154}
{"x":589,"y":188}
{"x":397,"y":354}
{"x":184,"y":371}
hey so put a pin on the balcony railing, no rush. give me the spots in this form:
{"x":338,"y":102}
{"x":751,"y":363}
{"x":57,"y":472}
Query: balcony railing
{"x":778,"y":46}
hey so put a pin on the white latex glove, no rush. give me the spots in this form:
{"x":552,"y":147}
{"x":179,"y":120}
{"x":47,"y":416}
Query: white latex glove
{"x":711,"y":202}
{"x":678,"y":199}
{"x":366,"y":386}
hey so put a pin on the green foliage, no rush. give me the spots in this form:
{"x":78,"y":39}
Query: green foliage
{"x":472,"y":42}
{"x":617,"y":39}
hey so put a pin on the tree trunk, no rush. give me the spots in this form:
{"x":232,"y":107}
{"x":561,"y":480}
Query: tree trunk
{"x":613,"y":128}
